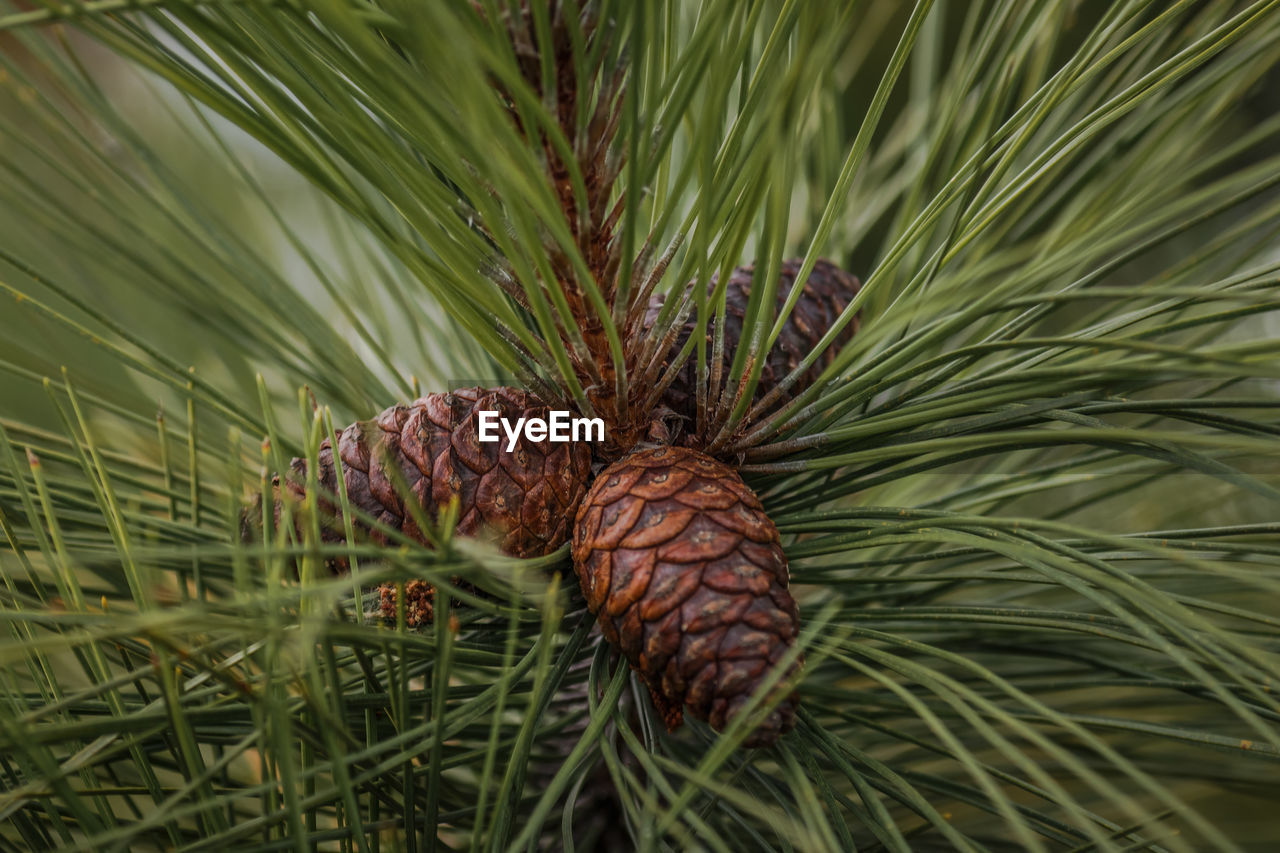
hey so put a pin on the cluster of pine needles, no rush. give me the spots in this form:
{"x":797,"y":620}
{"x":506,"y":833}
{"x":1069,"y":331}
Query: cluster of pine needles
{"x":1030,"y":508}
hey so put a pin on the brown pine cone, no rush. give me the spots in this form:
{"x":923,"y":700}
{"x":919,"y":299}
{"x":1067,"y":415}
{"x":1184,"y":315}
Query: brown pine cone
{"x":687,"y":577}
{"x":522,"y":499}
{"x":826,"y":293}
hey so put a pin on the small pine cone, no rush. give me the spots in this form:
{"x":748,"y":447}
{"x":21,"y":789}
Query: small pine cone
{"x":522,"y":499}
{"x":687,"y":577}
{"x":826,"y":293}
{"x":419,"y":601}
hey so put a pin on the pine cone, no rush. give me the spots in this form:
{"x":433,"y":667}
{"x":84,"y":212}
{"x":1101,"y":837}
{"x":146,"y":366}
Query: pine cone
{"x":523,"y":499}
{"x":419,"y":603}
{"x":826,"y":293}
{"x":686,"y":575}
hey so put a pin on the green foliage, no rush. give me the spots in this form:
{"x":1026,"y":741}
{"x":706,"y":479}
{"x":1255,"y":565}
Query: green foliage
{"x":1030,"y":510}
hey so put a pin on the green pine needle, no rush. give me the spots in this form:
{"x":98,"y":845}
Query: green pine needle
{"x":1029,"y":508}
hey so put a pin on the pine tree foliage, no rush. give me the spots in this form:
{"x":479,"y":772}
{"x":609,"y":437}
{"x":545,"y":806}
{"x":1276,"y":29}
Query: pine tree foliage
{"x":1029,"y":507}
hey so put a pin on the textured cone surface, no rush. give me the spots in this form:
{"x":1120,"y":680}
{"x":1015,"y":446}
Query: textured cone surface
{"x":522,"y":499}
{"x":687,"y":577}
{"x":826,"y":293}
{"x":419,"y":603}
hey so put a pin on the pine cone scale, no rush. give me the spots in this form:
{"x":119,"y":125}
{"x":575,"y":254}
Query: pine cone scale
{"x":657,"y":525}
{"x":627,"y":578}
{"x":616,"y":521}
{"x":709,"y":541}
{"x":616,"y":485}
{"x":415,"y":441}
{"x":670,"y":586}
{"x":734,"y":574}
{"x":661,"y":485}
